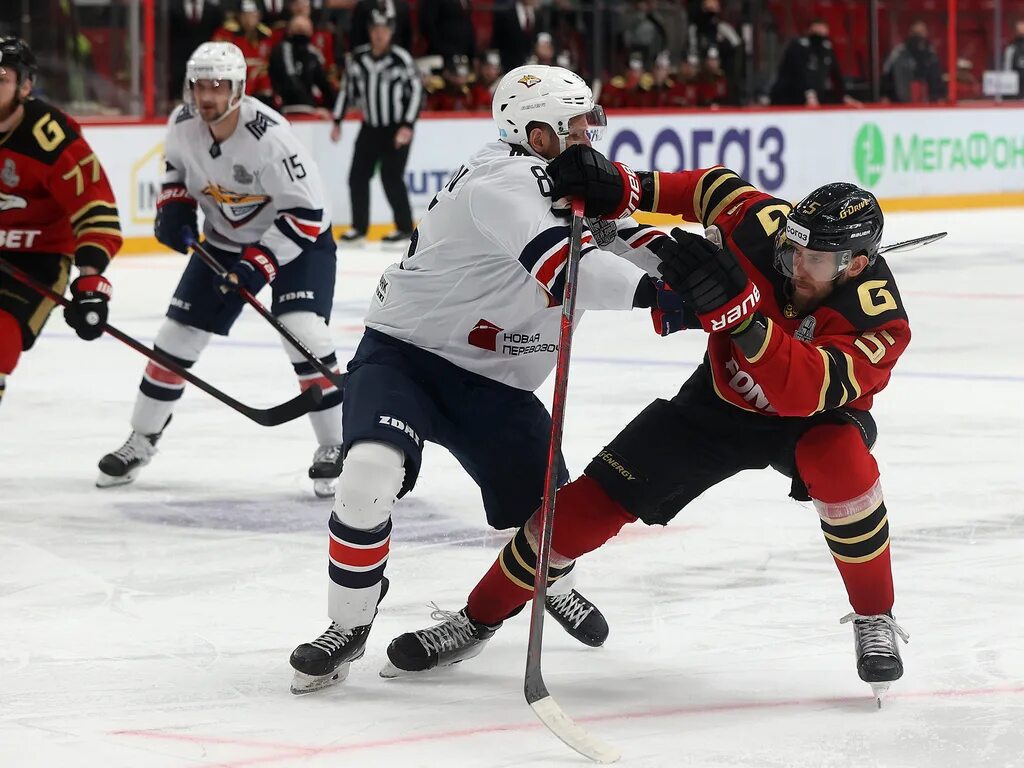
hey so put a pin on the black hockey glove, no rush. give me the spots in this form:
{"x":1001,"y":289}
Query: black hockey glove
{"x":256,"y":267}
{"x":709,"y":279}
{"x":87,"y":312}
{"x":609,"y":190}
{"x":175,"y":214}
{"x":669,"y":312}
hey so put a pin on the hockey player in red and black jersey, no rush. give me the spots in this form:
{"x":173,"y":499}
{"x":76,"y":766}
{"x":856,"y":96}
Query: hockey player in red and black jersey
{"x":805,"y":324}
{"x":56,"y":206}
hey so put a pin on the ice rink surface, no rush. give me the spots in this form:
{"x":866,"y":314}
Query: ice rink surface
{"x":149,"y":626}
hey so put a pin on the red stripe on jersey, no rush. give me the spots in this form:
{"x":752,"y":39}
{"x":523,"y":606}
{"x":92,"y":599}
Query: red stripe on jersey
{"x":311,"y":231}
{"x":549,"y":269}
{"x":162,"y":375}
{"x":645,"y":238}
{"x":359,"y":557}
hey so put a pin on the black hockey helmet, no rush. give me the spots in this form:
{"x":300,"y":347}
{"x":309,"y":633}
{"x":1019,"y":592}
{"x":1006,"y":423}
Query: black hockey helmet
{"x":15,"y":54}
{"x":379,"y":17}
{"x":838,"y":218}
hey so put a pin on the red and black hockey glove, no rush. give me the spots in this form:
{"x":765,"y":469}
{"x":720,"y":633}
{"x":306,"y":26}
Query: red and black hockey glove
{"x":609,"y":190}
{"x":709,"y":279}
{"x":87,"y":312}
{"x":175,"y":214}
{"x":252,"y":271}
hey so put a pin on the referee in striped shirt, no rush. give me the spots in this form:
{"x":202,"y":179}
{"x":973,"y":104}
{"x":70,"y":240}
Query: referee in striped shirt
{"x":383,"y":81}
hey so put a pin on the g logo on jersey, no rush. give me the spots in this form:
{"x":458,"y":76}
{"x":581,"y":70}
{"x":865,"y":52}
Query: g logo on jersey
{"x":10,"y":202}
{"x":238,"y":208}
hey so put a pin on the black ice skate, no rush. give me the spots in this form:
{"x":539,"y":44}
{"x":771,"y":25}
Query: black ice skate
{"x":325,"y":470}
{"x":878,"y":656}
{"x":579,"y":617}
{"x":326,"y":660}
{"x":455,"y":639}
{"x":121,"y":466}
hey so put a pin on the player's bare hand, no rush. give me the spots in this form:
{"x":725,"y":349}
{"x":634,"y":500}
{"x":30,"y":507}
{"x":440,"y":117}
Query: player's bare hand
{"x":336,"y":133}
{"x":403,"y":136}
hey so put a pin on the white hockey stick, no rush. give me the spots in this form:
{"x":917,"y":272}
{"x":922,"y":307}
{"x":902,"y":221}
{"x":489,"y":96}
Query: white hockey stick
{"x":544,"y":706}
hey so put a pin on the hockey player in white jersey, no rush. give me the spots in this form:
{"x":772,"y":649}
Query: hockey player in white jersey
{"x":265,"y":221}
{"x":458,"y":336}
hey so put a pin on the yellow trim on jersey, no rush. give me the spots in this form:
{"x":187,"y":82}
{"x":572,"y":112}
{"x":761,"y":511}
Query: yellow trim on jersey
{"x":657,"y":190}
{"x":80,"y":227}
{"x":825,"y":380}
{"x":705,"y":198}
{"x":863,"y":559}
{"x":98,"y":230}
{"x":35,"y":322}
{"x":852,"y":376}
{"x":728,"y":201}
{"x":764,"y":346}
{"x":89,"y":206}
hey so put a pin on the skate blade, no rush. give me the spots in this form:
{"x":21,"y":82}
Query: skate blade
{"x":109,"y":481}
{"x":324,"y":487}
{"x":879,"y":689}
{"x":303,"y":683}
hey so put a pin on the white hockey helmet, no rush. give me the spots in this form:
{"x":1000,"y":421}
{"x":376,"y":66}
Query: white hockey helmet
{"x":218,"y":62}
{"x":537,"y":93}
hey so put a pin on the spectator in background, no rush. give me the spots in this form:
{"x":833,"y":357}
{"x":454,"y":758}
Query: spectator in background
{"x":659,"y":89}
{"x":254,"y":38}
{"x":447,"y":26}
{"x":649,"y":28}
{"x":708,"y":32}
{"x":274,"y":12}
{"x":454,"y":95}
{"x":809,"y":72}
{"x":322,"y":38}
{"x":624,"y":90}
{"x":1013,"y":57}
{"x":912,"y":73}
{"x":488,"y":75}
{"x":298,"y":72}
{"x":543,"y":51}
{"x":712,"y":82}
{"x":393,"y":9}
{"x":514,"y":31}
{"x":189,"y":23}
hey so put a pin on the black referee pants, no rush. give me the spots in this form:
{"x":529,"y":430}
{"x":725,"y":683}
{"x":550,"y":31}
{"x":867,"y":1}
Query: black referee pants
{"x":377,"y":145}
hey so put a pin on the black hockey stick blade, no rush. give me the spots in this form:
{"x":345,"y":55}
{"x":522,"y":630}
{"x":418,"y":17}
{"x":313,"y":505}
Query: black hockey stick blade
{"x":909,"y":245}
{"x":537,"y":696}
{"x":268,"y":417}
{"x":337,"y":379}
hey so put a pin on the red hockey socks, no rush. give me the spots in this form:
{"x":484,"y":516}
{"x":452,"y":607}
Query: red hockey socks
{"x":585,"y":518}
{"x":842,"y":478}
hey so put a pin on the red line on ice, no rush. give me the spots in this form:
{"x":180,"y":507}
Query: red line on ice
{"x":287,"y":751}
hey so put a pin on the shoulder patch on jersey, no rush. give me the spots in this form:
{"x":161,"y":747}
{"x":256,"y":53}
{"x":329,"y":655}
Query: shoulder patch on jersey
{"x":184,"y":114}
{"x":260,"y":124}
{"x":869,"y":300}
{"x":518,"y":151}
{"x":9,"y":175}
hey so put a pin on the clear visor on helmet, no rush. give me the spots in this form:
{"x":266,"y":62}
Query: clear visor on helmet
{"x":597,"y":121}
{"x":206,"y":85}
{"x":798,"y":261}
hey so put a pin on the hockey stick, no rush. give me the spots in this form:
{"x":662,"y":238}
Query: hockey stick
{"x":338,"y":379}
{"x":268,"y":417}
{"x":544,"y":706}
{"x":909,"y":245}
